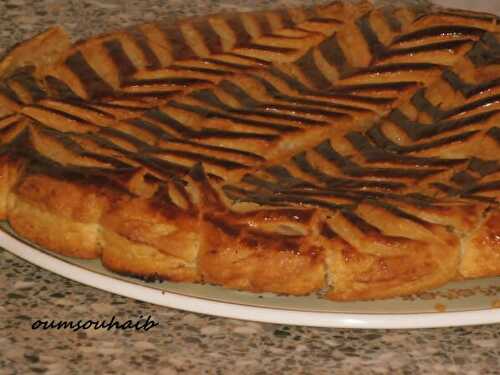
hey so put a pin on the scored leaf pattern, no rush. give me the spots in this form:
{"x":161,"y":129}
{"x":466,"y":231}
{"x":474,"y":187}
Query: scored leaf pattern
{"x":361,"y":116}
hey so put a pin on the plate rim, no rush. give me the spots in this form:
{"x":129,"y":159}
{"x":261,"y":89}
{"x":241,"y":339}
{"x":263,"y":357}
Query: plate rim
{"x":244,"y":312}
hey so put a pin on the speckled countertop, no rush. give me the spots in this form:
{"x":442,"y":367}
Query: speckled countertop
{"x":185,"y":342}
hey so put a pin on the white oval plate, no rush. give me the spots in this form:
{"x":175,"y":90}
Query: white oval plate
{"x":466,"y":303}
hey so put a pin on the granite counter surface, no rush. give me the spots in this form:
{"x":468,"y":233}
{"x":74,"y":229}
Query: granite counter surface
{"x":184,"y":342}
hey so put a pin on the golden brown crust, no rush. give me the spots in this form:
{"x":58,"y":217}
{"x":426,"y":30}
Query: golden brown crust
{"x":78,"y":202}
{"x":226,"y":150}
{"x":59,"y":215}
{"x":43,"y":49}
{"x":124,"y":256}
{"x":10,"y":172}
{"x":360,"y":275}
{"x":53,"y":231}
{"x":481,"y":257}
{"x":241,"y":257}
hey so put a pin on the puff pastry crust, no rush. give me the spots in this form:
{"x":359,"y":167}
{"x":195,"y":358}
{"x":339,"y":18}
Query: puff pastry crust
{"x":346,"y":150}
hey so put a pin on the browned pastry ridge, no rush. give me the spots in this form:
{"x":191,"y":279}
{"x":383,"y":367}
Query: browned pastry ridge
{"x":346,"y":149}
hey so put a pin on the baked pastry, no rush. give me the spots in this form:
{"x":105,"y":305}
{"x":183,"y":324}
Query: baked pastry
{"x":346,"y":150}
